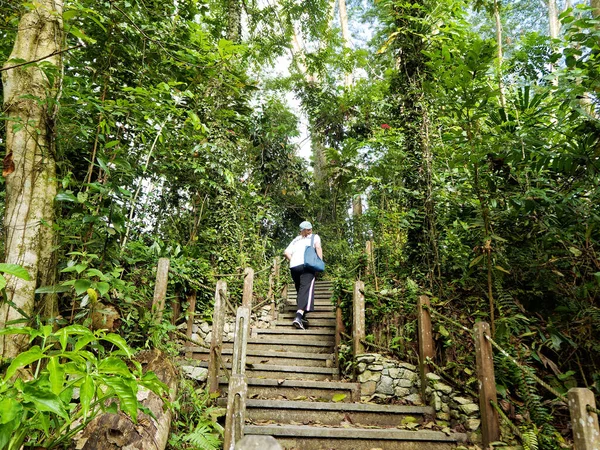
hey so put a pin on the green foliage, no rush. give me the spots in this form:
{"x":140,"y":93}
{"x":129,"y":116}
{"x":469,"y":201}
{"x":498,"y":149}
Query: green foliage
{"x":74,"y":375}
{"x":195,"y":425}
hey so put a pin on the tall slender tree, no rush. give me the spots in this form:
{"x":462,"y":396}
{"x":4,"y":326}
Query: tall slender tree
{"x":32,"y":79}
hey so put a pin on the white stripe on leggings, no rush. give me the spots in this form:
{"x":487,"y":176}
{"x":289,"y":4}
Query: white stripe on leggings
{"x":311,"y":294}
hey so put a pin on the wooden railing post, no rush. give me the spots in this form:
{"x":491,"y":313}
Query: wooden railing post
{"x":160,"y":287}
{"x":238,"y":389}
{"x":273,"y":284}
{"x":190,"y":320}
{"x":216,"y":343}
{"x":358,"y":320}
{"x":426,"y":349}
{"x":490,"y":425}
{"x":248,"y":286}
{"x":586,"y":434}
{"x":370,"y":258}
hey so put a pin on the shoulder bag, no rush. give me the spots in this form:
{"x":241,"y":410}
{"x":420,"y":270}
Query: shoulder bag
{"x":311,"y":259}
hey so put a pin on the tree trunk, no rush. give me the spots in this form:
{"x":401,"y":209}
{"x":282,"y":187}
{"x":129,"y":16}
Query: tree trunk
{"x":117,"y":431}
{"x":595,"y":5}
{"x":234,"y":22}
{"x":499,"y":55}
{"x":553,"y":19}
{"x":345,"y":37}
{"x":31,"y":102}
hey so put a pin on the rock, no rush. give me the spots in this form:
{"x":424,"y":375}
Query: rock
{"x":472,"y":424}
{"x":208,"y":337}
{"x":405,"y":383}
{"x":258,"y":443}
{"x":445,"y":408}
{"x":401,"y":392}
{"x":195,"y":329}
{"x":462,"y":400}
{"x":361,"y":367}
{"x":182,"y":326}
{"x":409,"y":375}
{"x":444,"y":388}
{"x":414,"y":399}
{"x":386,"y":372}
{"x":196,"y":337}
{"x":395,"y":372}
{"x":226,"y":328}
{"x":376,"y":367}
{"x":368,"y":388}
{"x":443,"y":416}
{"x":469,"y":409}
{"x":195,"y":373}
{"x":365,"y":376}
{"x":385,"y":386}
{"x":408,"y":366}
{"x":366,"y":358}
{"x":205,"y":327}
{"x":433,"y":377}
{"x":437,"y":401}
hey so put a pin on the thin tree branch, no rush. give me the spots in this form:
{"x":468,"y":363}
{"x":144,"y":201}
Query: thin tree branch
{"x":57,"y":52}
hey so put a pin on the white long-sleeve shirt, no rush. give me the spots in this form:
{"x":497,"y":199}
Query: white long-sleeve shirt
{"x":297,"y":247}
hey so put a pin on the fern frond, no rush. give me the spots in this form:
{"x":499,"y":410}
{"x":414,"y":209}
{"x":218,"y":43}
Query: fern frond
{"x":202,"y":438}
{"x":530,"y":440}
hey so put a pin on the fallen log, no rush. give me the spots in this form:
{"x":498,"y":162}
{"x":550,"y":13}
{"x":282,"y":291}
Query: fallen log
{"x":118,"y":432}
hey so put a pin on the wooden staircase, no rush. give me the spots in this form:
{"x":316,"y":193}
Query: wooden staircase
{"x":295,"y":393}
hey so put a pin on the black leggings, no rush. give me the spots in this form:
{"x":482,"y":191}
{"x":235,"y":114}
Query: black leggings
{"x":304,"y":280}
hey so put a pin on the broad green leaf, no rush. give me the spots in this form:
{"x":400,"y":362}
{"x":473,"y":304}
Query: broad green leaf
{"x":59,"y":288}
{"x":576,"y":252}
{"x":10,"y":409}
{"x":119,"y":342}
{"x":115,"y":366}
{"x":82,"y":286}
{"x":6,"y":432}
{"x":44,"y":423}
{"x":501,"y":269}
{"x":86,"y":394}
{"x":22,"y":360}
{"x":442,"y":330}
{"x":2,"y":282}
{"x":56,"y":374}
{"x":126,"y":391}
{"x":476,"y":260}
{"x":44,"y":400}
{"x":150,"y":381}
{"x":102,"y":287}
{"x":66,"y":197}
{"x":16,"y":270}
{"x":338,"y":397}
{"x":81,"y":35}
{"x":84,"y":340}
{"x":64,"y":333}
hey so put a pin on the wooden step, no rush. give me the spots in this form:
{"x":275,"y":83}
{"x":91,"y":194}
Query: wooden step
{"x":310,"y":316}
{"x":286,"y":372}
{"x":313,"y":323}
{"x":268,"y":388}
{"x":333,"y":413}
{"x":268,"y":357}
{"x":291,"y":345}
{"x":318,"y":438}
{"x":293,"y":334}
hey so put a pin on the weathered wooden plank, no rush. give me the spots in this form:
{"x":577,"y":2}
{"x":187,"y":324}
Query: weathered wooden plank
{"x":160,"y":287}
{"x":490,"y":425}
{"x":358,"y":328}
{"x":426,"y":349}
{"x":248,"y":286}
{"x":216,"y":343}
{"x":586,"y":434}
